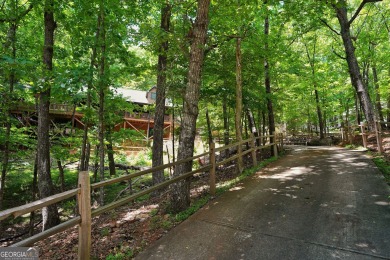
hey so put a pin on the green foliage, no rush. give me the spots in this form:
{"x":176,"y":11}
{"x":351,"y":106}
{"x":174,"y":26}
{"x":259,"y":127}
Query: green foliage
{"x":384,"y":167}
{"x":143,"y":158}
{"x":195,"y":206}
{"x":128,"y":254}
{"x":105,"y":231}
{"x":18,"y":185}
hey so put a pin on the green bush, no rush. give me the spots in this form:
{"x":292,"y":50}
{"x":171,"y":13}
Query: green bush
{"x":384,"y":167}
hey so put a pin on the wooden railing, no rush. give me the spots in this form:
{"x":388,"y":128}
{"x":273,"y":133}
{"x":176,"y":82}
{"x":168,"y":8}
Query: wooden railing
{"x":378,"y":134}
{"x":144,"y":116}
{"x":62,"y":108}
{"x":83,"y":192}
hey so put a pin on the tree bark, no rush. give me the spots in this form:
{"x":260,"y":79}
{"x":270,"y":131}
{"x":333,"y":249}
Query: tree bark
{"x":225,"y":124}
{"x":252,"y":125}
{"x":102,"y":93}
{"x":378,"y":96}
{"x":319,"y":113}
{"x":238,"y":110}
{"x":110,"y":153}
{"x":263,"y":128}
{"x":61,"y":175}
{"x":357,"y":109}
{"x":180,"y":198}
{"x":209,"y":132}
{"x":84,"y":160}
{"x":267,"y":80}
{"x":388,"y":111}
{"x":313,"y":72}
{"x":50,"y":215}
{"x":34,"y":193}
{"x":353,"y":66}
{"x":158,"y":130}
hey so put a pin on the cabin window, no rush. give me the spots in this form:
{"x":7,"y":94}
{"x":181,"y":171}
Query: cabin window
{"x":153,"y":95}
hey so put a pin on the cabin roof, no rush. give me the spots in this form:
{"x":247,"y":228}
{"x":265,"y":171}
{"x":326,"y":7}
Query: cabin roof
{"x":135,"y":96}
{"x":139,"y":96}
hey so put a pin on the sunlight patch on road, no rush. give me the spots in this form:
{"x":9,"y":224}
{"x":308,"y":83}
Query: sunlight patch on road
{"x":289,"y":174}
{"x":291,"y":196}
{"x":236,"y":188}
{"x":382,"y":203}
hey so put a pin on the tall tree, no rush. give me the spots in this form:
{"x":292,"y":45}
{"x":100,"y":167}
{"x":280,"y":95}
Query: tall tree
{"x":311,"y":59}
{"x":340,"y":8}
{"x":102,"y":65}
{"x":267,"y":76}
{"x":238,"y":110}
{"x":180,"y":199}
{"x":158,"y":130}
{"x":50,"y":215}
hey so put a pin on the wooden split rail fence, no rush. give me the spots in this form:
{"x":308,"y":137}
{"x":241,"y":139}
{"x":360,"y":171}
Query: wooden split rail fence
{"x":83,"y":192}
{"x":378,"y":134}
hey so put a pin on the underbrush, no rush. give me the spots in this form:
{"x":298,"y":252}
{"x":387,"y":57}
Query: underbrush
{"x":384,"y":167}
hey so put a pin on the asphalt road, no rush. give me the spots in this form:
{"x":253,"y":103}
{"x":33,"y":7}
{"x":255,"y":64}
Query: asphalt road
{"x":315,"y":203}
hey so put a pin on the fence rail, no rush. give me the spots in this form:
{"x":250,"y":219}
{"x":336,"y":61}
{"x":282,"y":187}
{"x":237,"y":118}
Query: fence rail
{"x":378,"y":134}
{"x":83,"y":192}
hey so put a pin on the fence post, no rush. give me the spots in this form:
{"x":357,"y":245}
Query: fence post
{"x":84,"y":201}
{"x":253,"y":146}
{"x":378,"y":133}
{"x":212,"y":169}
{"x":275,"y":145}
{"x":364,"y":136}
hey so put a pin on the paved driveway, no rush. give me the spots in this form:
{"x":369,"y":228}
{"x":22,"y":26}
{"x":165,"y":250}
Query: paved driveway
{"x":315,"y":203}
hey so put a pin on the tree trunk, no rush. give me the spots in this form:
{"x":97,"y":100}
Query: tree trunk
{"x":84,"y":160}
{"x":209,"y":133}
{"x":357,"y":109}
{"x":252,"y":125}
{"x":34,"y":193}
{"x":353,"y":66}
{"x":319,"y":114}
{"x":180,"y":199}
{"x":238,"y":110}
{"x":267,"y":80}
{"x":225,"y":124}
{"x":102,"y":93}
{"x":110,"y":153}
{"x":61,"y":175}
{"x":388,"y":111}
{"x":264,"y":123}
{"x":158,"y":130}
{"x":378,"y":96}
{"x":50,"y":215}
{"x":313,"y":72}
{"x":96,"y":164}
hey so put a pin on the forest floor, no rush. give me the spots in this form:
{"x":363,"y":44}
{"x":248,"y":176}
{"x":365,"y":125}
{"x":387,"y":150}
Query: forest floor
{"x":126,"y":231}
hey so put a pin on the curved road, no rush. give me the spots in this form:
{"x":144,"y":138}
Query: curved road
{"x":315,"y":203}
